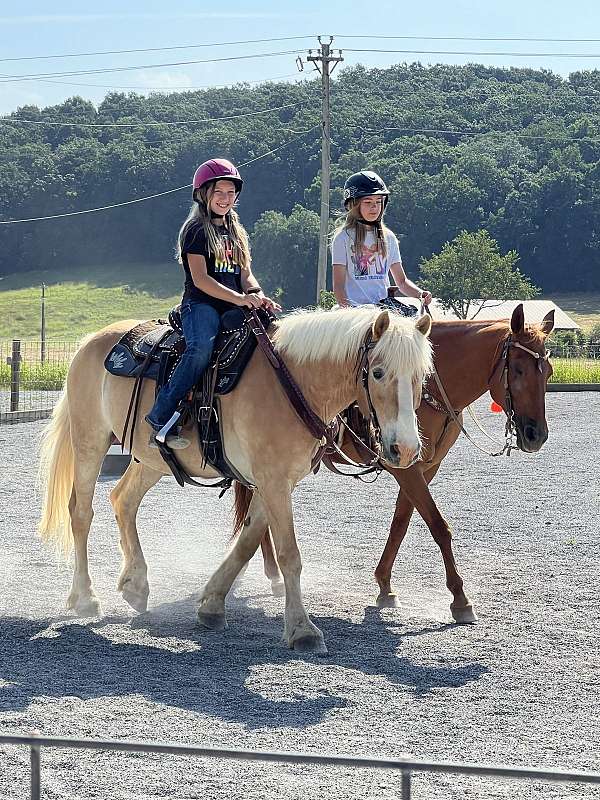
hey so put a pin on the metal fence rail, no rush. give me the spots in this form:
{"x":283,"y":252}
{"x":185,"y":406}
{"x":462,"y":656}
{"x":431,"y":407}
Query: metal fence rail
{"x":406,"y":767}
{"x":576,"y":364}
{"x":32,"y":373}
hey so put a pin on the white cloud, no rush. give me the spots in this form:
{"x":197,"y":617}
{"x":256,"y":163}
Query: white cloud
{"x":164,"y":80}
{"x":13,"y":97}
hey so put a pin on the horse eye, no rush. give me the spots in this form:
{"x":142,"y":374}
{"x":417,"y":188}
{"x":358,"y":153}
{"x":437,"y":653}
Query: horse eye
{"x":378,"y":373}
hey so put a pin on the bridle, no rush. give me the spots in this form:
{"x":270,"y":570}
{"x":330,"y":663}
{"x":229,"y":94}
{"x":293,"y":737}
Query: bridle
{"x":510,"y":430}
{"x":362,"y":374}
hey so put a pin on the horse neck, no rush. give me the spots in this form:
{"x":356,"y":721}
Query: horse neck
{"x":465,"y":356}
{"x":328,"y":386}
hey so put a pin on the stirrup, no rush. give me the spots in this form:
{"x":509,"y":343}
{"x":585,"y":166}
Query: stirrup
{"x":161,"y":436}
{"x":172,"y":441}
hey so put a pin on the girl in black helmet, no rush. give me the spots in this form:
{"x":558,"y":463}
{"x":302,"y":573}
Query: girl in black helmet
{"x":364,"y":251}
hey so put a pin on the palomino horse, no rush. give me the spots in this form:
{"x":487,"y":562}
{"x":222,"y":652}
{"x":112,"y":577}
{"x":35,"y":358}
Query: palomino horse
{"x":263,"y":437}
{"x":470,"y":358}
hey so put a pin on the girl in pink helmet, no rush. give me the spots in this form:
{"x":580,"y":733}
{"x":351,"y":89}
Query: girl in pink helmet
{"x":213,"y":249}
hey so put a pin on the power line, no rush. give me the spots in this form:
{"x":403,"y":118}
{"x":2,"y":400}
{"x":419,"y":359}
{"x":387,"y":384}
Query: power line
{"x":470,"y":38}
{"x":151,"y":196}
{"x":173,"y":88}
{"x":47,"y":75}
{"x":296,"y":38}
{"x":443,"y":131}
{"x":39,"y":75}
{"x":154,"y":49}
{"x":472,"y":53}
{"x":18,"y":120}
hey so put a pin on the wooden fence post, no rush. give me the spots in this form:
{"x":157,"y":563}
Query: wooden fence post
{"x":15,"y":374}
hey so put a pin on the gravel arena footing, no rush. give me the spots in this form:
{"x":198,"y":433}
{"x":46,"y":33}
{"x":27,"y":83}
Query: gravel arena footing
{"x":520,"y":687}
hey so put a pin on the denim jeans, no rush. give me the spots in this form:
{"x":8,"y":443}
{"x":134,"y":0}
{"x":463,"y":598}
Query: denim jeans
{"x":200,"y":323}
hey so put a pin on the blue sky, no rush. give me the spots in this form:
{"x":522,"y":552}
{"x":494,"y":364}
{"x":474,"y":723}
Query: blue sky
{"x":31,"y":29}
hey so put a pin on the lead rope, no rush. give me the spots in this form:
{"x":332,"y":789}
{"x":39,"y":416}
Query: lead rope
{"x":508,"y":444}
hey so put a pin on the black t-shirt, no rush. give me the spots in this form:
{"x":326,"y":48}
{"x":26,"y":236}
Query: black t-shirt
{"x":227,"y":272}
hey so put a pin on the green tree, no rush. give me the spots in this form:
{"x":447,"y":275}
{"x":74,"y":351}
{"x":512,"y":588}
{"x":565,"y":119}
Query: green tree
{"x":285,"y":254}
{"x":470,"y":270}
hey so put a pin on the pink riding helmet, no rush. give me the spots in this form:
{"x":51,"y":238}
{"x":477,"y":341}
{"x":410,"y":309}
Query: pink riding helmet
{"x":217,"y":169}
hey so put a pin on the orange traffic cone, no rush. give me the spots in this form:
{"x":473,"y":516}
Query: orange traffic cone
{"x":495,"y":407}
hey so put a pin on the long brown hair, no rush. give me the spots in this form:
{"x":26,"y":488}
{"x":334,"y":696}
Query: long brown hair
{"x":199,"y":213}
{"x":353,"y":222}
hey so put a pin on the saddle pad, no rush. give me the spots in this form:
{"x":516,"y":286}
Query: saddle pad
{"x":145,"y":342}
{"x":156,"y":343}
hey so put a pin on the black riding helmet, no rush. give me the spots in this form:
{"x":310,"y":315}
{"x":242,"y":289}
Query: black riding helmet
{"x":364,"y":184}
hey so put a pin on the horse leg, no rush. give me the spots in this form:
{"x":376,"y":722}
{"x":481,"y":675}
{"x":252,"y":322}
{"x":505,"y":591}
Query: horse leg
{"x":125,"y":499}
{"x":415,"y":485}
{"x":88,"y":457}
{"x":271,"y":566}
{"x":383,"y":573}
{"x":299,"y":632}
{"x":211,"y":609}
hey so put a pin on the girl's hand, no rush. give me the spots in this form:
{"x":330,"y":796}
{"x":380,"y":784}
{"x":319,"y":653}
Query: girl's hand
{"x":269,"y":304}
{"x":426,"y":298}
{"x":249,"y":300}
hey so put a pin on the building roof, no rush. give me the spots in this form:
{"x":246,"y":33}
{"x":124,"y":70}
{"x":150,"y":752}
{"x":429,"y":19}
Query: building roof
{"x":535,"y":311}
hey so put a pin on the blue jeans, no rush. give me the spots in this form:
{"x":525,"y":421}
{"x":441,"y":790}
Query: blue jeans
{"x":200,"y":323}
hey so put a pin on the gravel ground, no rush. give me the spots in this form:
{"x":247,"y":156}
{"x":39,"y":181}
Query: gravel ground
{"x":521,"y":687}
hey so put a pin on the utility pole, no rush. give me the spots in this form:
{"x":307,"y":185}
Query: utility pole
{"x":322,"y":60}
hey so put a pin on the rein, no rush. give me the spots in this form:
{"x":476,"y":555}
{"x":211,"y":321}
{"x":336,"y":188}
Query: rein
{"x":325,"y":433}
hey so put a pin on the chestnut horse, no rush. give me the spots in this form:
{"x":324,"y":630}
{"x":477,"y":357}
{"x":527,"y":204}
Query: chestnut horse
{"x":263,"y":437}
{"x":470,"y":358}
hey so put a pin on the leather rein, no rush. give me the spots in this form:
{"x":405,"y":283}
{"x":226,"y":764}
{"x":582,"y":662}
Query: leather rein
{"x":510,"y":429}
{"x":325,"y":433}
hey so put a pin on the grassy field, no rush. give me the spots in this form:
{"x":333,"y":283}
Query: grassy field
{"x":85,"y":300}
{"x":583,"y":307}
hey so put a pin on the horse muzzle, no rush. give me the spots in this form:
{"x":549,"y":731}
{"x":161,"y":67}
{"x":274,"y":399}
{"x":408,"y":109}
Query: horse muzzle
{"x":531,"y":434}
{"x":401,"y":456}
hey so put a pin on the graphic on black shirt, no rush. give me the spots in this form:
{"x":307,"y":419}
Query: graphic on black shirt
{"x":225,"y":271}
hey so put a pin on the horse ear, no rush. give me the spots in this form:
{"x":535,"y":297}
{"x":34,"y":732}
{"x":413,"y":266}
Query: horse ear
{"x":380,"y":326}
{"x":517,"y":321}
{"x":423,"y":324}
{"x":548,"y":323}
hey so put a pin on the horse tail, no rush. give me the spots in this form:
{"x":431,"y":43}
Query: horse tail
{"x":243,"y":497}
{"x":56,"y":477}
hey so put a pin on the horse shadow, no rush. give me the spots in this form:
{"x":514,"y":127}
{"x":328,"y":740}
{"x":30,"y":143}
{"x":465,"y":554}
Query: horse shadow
{"x":233,"y":676}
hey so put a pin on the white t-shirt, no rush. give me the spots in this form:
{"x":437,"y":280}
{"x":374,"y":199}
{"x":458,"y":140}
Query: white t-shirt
{"x":367,"y":273}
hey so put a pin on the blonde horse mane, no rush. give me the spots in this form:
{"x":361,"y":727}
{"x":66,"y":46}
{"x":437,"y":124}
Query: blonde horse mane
{"x":338,"y":334}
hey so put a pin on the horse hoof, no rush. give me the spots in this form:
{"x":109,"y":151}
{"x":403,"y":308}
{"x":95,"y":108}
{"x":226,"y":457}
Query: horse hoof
{"x":213,"y":622}
{"x":139,"y":602}
{"x":388,"y":601}
{"x":278,"y":588}
{"x":310,"y":644}
{"x":464,"y":616}
{"x":88,"y":608}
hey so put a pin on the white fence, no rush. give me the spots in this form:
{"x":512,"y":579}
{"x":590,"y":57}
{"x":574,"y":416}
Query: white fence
{"x":405,"y":767}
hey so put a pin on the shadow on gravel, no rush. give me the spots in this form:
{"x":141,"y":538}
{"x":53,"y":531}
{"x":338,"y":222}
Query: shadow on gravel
{"x":163,"y":656}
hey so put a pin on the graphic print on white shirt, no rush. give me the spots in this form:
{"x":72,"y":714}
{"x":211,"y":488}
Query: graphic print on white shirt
{"x":367,"y":272}
{"x":367,"y":262}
